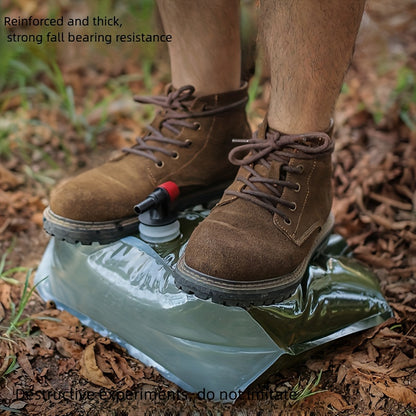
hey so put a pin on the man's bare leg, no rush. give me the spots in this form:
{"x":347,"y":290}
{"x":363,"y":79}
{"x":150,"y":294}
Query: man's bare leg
{"x":309,"y":45}
{"x":205,"y":48}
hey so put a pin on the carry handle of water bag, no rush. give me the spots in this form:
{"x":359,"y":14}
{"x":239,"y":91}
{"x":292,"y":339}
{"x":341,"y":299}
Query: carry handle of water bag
{"x":164,"y":194}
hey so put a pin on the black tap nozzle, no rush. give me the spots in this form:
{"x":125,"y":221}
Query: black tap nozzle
{"x":157,"y":197}
{"x":155,"y":209}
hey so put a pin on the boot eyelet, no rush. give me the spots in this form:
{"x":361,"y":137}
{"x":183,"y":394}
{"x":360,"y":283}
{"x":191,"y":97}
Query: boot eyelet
{"x":297,"y":189}
{"x":188,"y":143}
{"x":175,"y":155}
{"x":294,"y":207}
{"x":288,"y":221}
{"x":160,"y":164}
{"x":300,"y":168}
{"x":197,"y":126}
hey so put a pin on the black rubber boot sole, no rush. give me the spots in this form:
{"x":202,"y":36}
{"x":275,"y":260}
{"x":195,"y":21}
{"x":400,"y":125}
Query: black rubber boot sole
{"x":84,"y":232}
{"x":106,"y":232}
{"x":246,"y":294}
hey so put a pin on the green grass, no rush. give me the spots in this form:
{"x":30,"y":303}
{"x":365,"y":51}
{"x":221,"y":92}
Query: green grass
{"x":397,"y":326}
{"x":405,"y":96}
{"x":298,"y":393}
{"x":255,"y":88}
{"x":22,"y":63}
{"x":11,"y":367}
{"x":16,"y":320}
{"x":65,"y":99}
{"x":30,"y":73}
{"x":401,"y":100}
{"x":26,"y":71}
{"x":5,"y":275}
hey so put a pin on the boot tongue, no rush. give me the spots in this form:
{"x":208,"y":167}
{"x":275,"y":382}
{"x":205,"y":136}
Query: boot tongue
{"x":160,"y":116}
{"x":273,"y":172}
{"x":262,"y":129}
{"x":265,"y":168}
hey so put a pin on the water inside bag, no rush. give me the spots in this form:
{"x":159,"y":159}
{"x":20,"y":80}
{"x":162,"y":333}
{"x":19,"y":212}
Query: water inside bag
{"x":126,"y":291}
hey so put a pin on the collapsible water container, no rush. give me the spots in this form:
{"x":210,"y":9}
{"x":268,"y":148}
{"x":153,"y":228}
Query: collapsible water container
{"x":126,"y":291}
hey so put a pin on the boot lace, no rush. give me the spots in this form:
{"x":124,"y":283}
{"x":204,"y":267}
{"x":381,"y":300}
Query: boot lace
{"x":176,"y":115}
{"x":275,"y":147}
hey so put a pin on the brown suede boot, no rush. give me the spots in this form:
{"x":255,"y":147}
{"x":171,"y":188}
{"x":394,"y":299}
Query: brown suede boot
{"x":187,"y":143}
{"x":256,"y":244}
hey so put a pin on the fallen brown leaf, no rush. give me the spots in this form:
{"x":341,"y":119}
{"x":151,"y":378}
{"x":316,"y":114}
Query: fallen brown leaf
{"x":6,"y":361}
{"x":25,"y":365}
{"x":326,"y":399}
{"x":5,"y":297}
{"x":396,"y":391}
{"x":8,"y":180}
{"x":67,"y":365}
{"x":68,"y":348}
{"x":402,"y":361}
{"x":63,"y":325}
{"x":90,"y":371}
{"x":17,"y":405}
{"x":37,"y":218}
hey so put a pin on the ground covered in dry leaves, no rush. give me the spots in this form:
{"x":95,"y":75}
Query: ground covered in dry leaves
{"x":57,"y":366}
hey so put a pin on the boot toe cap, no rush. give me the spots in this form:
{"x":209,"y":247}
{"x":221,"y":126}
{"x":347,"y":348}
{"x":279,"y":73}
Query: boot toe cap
{"x":92,"y":200}
{"x":227,"y":252}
